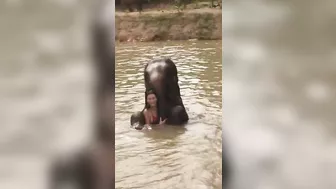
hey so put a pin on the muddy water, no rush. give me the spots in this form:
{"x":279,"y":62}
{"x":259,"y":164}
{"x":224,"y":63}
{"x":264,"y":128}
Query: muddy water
{"x":171,"y":157}
{"x":45,"y":87}
{"x":279,"y":93}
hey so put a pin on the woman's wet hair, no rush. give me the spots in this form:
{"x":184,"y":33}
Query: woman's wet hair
{"x":148,"y":92}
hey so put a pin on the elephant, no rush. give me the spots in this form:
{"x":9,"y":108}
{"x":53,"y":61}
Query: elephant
{"x":161,"y":75}
{"x":129,"y":3}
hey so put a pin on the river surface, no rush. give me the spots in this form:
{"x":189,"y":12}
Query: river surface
{"x":172,"y":157}
{"x":45,"y":87}
{"x":279,"y":98}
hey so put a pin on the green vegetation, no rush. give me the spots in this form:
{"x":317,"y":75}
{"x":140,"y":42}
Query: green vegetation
{"x":182,"y":4}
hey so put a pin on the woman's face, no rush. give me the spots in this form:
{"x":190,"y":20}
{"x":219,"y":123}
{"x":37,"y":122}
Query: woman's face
{"x":151,"y":100}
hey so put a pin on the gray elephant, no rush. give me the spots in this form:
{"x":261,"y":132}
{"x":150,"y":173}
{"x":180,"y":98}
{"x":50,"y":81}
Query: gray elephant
{"x":161,"y":76}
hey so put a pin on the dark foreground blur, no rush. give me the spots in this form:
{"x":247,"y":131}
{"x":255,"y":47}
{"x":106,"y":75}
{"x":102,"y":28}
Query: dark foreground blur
{"x":279,"y":77}
{"x":54,"y":95}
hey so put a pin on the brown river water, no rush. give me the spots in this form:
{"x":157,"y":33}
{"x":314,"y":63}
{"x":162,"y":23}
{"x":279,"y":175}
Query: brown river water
{"x":172,"y":157}
{"x":279,"y":78}
{"x":45,"y":87}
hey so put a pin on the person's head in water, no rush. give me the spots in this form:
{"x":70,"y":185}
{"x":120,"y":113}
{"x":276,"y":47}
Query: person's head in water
{"x":151,"y":99}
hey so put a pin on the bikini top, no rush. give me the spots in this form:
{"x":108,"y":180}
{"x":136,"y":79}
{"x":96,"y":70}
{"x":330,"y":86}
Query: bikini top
{"x":154,"y":119}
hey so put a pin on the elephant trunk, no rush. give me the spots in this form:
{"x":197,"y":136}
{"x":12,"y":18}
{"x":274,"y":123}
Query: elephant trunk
{"x":162,"y":107}
{"x":157,"y":82}
{"x":162,"y":104}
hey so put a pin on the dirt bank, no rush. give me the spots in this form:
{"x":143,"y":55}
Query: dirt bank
{"x":202,"y":24}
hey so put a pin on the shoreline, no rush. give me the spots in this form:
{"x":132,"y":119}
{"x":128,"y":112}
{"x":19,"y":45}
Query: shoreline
{"x":169,"y":25}
{"x":163,"y":41}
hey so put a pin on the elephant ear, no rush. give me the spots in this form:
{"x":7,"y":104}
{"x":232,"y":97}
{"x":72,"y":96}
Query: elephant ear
{"x":176,"y":79}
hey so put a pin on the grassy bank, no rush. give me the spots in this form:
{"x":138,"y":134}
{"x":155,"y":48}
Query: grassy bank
{"x":202,"y":24}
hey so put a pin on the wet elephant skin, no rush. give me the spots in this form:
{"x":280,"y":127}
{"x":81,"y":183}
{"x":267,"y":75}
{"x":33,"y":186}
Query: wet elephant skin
{"x":161,"y":76}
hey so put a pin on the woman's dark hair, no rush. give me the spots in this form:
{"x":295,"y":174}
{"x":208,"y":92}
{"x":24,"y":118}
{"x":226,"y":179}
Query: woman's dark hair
{"x":148,"y":92}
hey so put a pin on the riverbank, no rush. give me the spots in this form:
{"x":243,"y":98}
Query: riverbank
{"x":201,"y":24}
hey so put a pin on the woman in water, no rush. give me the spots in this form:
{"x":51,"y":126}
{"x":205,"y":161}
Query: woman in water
{"x":151,"y":109}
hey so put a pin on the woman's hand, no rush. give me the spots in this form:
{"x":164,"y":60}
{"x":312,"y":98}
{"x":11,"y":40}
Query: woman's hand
{"x":147,"y":126}
{"x":162,"y":122}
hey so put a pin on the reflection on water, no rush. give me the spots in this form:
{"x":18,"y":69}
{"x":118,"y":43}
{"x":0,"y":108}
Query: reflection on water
{"x":44,"y":86}
{"x":278,"y":93}
{"x":171,"y":157}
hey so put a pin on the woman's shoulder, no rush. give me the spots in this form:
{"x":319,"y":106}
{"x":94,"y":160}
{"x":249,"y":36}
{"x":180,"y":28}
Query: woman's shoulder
{"x":145,"y":113}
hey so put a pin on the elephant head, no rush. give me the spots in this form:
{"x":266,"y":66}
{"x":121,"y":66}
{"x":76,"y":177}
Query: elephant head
{"x":161,"y":76}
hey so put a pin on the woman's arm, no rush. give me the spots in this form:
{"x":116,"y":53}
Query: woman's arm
{"x":147,"y":120}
